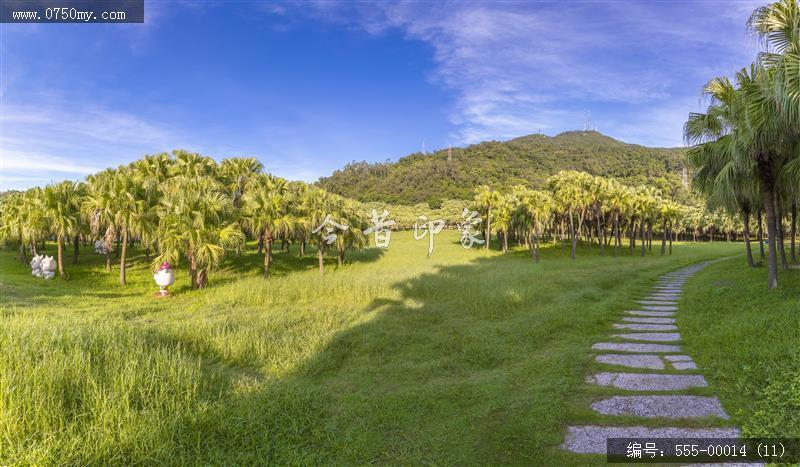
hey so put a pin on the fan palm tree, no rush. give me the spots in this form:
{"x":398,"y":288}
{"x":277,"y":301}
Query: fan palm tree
{"x":61,"y":206}
{"x":537,"y":208}
{"x":485,"y":200}
{"x":195,"y":222}
{"x":317,"y":205}
{"x":265,"y":210}
{"x":236,"y":174}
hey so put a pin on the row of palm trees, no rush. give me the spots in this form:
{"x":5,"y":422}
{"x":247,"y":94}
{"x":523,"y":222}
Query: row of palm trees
{"x":746,"y":152}
{"x":183,"y":207}
{"x":186,"y":207}
{"x":577,"y":206}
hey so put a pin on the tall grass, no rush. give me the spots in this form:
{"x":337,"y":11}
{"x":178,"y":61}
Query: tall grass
{"x":392,"y":358}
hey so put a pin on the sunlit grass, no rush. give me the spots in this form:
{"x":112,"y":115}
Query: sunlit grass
{"x":466,"y":357}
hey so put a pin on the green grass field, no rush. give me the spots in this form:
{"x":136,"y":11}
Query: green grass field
{"x":463,"y":358}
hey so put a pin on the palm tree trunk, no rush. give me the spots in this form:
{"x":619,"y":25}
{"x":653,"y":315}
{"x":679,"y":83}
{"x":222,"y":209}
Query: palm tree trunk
{"x":60,"y":242}
{"x":202,"y":278}
{"x":779,"y":227}
{"x":122,"y":256}
{"x":192,"y":267}
{"x":488,"y":227}
{"x":505,"y":241}
{"x":339,"y":256}
{"x":746,"y":219}
{"x":761,"y":235}
{"x":321,"y":255}
{"x":794,"y":231}
{"x":670,"y":238}
{"x":536,"y":247}
{"x":772,"y":260}
{"x":600,"y":234}
{"x":643,"y":228}
{"x":76,"y":249}
{"x":573,"y":237}
{"x":23,"y":256}
{"x":650,"y":236}
{"x":617,"y":239}
{"x":267,"y":241}
{"x":302,"y":247}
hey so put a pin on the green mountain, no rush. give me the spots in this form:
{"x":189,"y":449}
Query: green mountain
{"x":528,"y":160}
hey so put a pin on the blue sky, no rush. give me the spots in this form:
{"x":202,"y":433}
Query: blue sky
{"x":309,"y":86}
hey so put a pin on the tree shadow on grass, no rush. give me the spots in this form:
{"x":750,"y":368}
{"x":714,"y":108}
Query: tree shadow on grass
{"x":473,"y":363}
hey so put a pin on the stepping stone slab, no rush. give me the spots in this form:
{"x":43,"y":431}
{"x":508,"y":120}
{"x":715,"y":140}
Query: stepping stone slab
{"x":647,"y":382}
{"x":651,"y":313}
{"x":678,"y":358}
{"x":592,"y":439}
{"x":647,"y":327}
{"x":659,"y":308}
{"x":639,"y":348}
{"x":684,"y":366}
{"x":661,"y":406}
{"x":682,"y":362}
{"x":650,"y":320}
{"x":650,"y":302}
{"x":651,"y":362}
{"x":651,"y":336}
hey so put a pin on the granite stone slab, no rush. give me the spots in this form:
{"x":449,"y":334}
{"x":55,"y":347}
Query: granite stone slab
{"x":638,"y":348}
{"x":661,"y":406}
{"x":591,"y":439}
{"x":650,"y":336}
{"x":647,"y":381}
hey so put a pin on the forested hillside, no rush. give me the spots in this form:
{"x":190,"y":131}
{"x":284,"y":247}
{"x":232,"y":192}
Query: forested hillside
{"x":527,"y":160}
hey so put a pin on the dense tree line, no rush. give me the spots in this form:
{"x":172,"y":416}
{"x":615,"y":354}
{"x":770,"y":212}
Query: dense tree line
{"x":182,"y":207}
{"x":529,"y":160}
{"x":577,"y":207}
{"x":746,"y":149}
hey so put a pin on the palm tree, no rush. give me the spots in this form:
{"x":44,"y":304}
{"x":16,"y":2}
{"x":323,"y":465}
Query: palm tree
{"x":265,"y":210}
{"x":353,"y":237}
{"x":130,"y":210}
{"x":743,"y":127}
{"x":318,"y":205}
{"x":236,"y":173}
{"x":619,"y":200}
{"x":537,"y":208}
{"x":98,"y":209}
{"x":195,"y":221}
{"x":61,"y":209}
{"x":502,"y":217}
{"x":570,"y":190}
{"x":485,"y":200}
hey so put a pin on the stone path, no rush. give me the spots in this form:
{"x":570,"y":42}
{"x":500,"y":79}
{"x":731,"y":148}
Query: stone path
{"x":647,"y":339}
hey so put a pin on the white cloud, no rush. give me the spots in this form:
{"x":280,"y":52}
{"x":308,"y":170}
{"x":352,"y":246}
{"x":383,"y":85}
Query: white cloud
{"x":516,"y":68}
{"x":45,"y":140}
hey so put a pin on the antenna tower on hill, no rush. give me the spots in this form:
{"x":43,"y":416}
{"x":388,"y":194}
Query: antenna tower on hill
{"x":588,"y":124}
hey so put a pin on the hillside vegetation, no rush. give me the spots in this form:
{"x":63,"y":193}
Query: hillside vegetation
{"x":528,"y":160}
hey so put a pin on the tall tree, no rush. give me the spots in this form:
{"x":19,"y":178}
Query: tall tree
{"x":61,"y":205}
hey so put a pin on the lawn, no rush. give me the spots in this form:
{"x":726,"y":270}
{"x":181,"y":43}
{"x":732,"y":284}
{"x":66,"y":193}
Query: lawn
{"x":466,"y":357}
{"x":748,"y":343}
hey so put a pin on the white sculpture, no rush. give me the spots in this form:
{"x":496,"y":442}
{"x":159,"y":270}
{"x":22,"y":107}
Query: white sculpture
{"x":164,"y":277}
{"x":36,"y":265}
{"x":48,"y":267}
{"x":101,"y":247}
